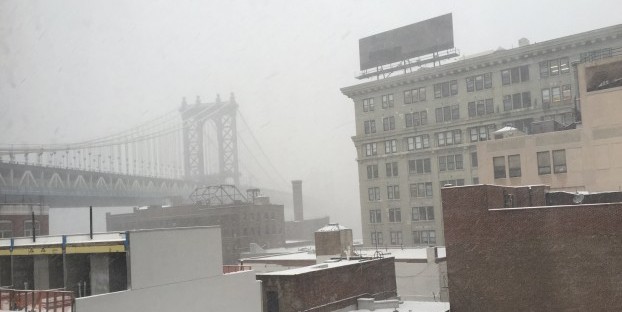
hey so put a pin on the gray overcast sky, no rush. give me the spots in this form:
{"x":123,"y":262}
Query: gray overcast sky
{"x":74,"y":69}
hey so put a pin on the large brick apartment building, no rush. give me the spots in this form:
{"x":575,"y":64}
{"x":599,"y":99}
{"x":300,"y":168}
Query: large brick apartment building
{"x":528,"y":249}
{"x":417,"y":131}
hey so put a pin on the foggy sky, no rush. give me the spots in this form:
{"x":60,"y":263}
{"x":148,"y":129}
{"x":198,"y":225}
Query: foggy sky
{"x":72,"y":70}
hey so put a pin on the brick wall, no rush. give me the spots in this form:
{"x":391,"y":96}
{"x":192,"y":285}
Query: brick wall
{"x":551,"y":258}
{"x":333,"y":288}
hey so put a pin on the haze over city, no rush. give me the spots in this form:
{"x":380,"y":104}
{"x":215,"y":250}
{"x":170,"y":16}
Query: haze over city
{"x":76,"y":70}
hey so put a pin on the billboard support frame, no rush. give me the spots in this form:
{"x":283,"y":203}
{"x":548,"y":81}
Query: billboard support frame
{"x":407,"y":65}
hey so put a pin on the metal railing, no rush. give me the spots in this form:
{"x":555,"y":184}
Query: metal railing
{"x":226,"y":269}
{"x":36,"y":300}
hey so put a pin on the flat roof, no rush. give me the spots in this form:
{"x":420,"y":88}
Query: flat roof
{"x":415,"y":306}
{"x":403,"y":254}
{"x":317,"y":267}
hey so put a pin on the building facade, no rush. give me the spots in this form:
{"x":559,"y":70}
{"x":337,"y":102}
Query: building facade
{"x":575,"y":160}
{"x":511,"y":249}
{"x":241,"y":223}
{"x":16,"y":220}
{"x":418,"y":131}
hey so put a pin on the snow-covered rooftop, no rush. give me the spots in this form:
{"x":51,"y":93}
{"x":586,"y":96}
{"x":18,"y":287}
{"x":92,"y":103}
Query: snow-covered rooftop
{"x":332,"y":228}
{"x":321,"y":266}
{"x":415,"y":306}
{"x":418,"y":253}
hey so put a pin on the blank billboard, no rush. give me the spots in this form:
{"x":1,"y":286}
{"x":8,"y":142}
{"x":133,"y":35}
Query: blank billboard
{"x":435,"y":34}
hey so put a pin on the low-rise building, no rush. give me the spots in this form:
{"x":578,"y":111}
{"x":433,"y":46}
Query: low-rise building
{"x":244,"y":221}
{"x":328,"y":286}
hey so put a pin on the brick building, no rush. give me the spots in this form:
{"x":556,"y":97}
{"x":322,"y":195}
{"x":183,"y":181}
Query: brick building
{"x":242,"y":223}
{"x":510,"y":249}
{"x":16,"y":220}
{"x":328,"y":286}
{"x":417,"y":130}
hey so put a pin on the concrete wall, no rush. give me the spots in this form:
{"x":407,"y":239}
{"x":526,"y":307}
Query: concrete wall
{"x":417,"y":281}
{"x":540,"y":258}
{"x":193,"y":253}
{"x":232,"y":292}
{"x":179,"y":270}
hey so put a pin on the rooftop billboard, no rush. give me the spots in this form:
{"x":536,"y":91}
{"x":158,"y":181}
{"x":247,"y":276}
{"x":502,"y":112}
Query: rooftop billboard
{"x":429,"y":36}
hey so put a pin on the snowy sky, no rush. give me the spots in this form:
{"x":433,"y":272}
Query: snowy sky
{"x":74,"y":69}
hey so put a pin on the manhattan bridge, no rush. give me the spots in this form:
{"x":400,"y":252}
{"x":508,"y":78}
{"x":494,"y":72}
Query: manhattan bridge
{"x":158,"y":162}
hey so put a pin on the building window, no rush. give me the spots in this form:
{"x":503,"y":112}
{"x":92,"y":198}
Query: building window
{"x":368,"y":105}
{"x":445,"y":89}
{"x":375,"y":216}
{"x":566,"y":96}
{"x":481,"y":133}
{"x":424,"y":237}
{"x":481,"y":108}
{"x":564,"y":65}
{"x":419,"y":166}
{"x":554,"y":67}
{"x":499,"y":167}
{"x":474,"y":163}
{"x":391,"y":169}
{"x":418,"y":142}
{"x":514,"y":166}
{"x":423,"y":189}
{"x":448,"y":113}
{"x":449,"y":138}
{"x":450,"y":162}
{"x":370,"y":126}
{"x":373,"y":193}
{"x":393,"y":192}
{"x":6,"y":229}
{"x":416,"y":119}
{"x":556,"y":95}
{"x":376,"y":238}
{"x":559,"y":161}
{"x":388,"y":123}
{"x":372,"y":171}
{"x":475,"y":180}
{"x":516,"y":101}
{"x":390,"y":146}
{"x":544,"y":162}
{"x":414,"y":95}
{"x":456,"y":182}
{"x":544,"y":69}
{"x":387,"y":100}
{"x":370,"y":149}
{"x":396,"y":238}
{"x":395,"y":215}
{"x":423,"y":213}
{"x":546,"y":97}
{"x":515,"y":75}
{"x":479,"y":82}
{"x":28,"y":228}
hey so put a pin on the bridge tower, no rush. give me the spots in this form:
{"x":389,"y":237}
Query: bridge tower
{"x":223,"y":116}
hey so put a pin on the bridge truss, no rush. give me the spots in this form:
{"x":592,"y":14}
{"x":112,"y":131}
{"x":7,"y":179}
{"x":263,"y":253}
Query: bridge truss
{"x":165,"y":158}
